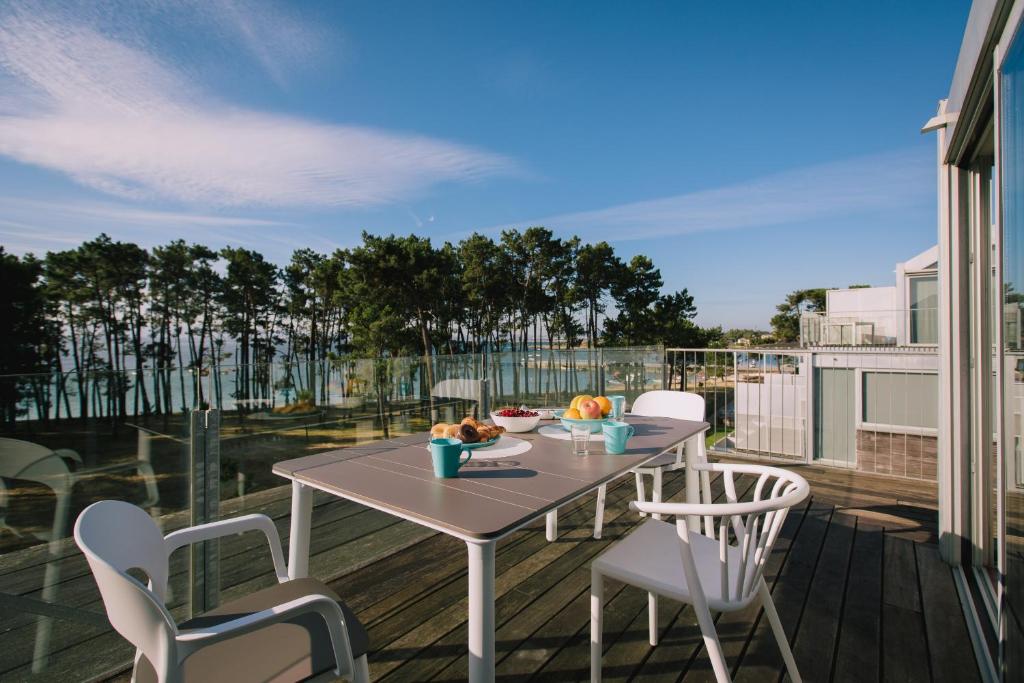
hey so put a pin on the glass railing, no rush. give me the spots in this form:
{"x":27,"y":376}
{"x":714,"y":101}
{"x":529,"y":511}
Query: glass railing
{"x":195,"y":445}
{"x":873,"y":410}
{"x":76,"y":440}
{"x":916,"y":326}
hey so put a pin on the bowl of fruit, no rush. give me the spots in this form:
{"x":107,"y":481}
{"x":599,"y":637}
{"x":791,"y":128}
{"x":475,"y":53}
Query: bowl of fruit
{"x":586,"y":410}
{"x":516,"y":419}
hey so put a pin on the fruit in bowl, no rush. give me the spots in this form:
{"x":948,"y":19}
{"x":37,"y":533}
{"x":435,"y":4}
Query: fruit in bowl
{"x":586,"y":410}
{"x":516,"y":419}
{"x":589,"y":410}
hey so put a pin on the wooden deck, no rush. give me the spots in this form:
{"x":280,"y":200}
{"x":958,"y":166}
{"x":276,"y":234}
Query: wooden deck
{"x":856,"y":577}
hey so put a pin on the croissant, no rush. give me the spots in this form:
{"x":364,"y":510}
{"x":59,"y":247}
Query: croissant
{"x":468,"y":433}
{"x":452,"y":431}
{"x":438,"y":430}
{"x":471,"y":421}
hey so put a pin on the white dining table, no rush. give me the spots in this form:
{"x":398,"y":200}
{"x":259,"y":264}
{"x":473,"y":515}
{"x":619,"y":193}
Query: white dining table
{"x":489,"y":499}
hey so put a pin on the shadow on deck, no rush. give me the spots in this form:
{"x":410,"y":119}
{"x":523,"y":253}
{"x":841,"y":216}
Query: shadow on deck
{"x":856,"y":577}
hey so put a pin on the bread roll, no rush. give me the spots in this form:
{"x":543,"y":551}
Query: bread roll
{"x":438,"y":430}
{"x":452,"y":431}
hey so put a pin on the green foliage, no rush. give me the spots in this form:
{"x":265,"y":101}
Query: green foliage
{"x":786,"y":323}
{"x":107,"y":307}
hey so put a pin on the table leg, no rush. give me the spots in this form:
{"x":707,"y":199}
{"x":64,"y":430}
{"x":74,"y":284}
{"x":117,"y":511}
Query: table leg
{"x":298,"y":541}
{"x":551,"y":525}
{"x":693,"y":477}
{"x":656,"y":490}
{"x":481,"y":612}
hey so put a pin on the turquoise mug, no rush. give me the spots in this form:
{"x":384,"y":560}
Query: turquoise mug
{"x":447,"y":457}
{"x":616,"y":434}
{"x":618,"y":406}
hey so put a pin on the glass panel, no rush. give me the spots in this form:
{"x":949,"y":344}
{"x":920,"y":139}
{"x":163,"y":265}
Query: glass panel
{"x":1012,"y":194}
{"x":924,"y":306}
{"x":834,"y":430}
{"x":76,"y":439}
{"x":901,"y":399}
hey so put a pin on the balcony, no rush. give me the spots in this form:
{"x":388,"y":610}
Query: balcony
{"x":856,"y":578}
{"x":916,"y":327}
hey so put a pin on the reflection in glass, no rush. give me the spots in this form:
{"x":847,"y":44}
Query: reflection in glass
{"x":1012,"y":195}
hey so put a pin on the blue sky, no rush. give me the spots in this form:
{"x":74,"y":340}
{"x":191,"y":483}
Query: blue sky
{"x":749,"y":148}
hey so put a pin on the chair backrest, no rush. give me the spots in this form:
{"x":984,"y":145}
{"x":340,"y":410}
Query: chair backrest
{"x":31,"y":461}
{"x":751,"y":527}
{"x":680,"y":405}
{"x":116,"y":537}
{"x":467,"y":389}
{"x":745,"y":531}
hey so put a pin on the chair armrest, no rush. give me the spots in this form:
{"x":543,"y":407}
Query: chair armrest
{"x":191,"y":640}
{"x":228,"y":527}
{"x":706,"y":509}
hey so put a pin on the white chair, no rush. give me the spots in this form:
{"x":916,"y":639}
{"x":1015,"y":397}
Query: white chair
{"x":721,"y":569}
{"x":675,"y":404}
{"x":297,"y":629}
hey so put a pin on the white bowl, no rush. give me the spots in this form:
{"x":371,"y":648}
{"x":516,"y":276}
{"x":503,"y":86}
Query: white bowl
{"x":516,"y":424}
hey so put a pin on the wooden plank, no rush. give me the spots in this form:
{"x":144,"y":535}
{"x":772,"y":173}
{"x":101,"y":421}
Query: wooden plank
{"x":542,"y":596}
{"x":762,"y":659}
{"x":904,"y":647}
{"x":949,"y":644}
{"x":819,"y":627}
{"x":860,"y":636}
{"x":448,"y":632}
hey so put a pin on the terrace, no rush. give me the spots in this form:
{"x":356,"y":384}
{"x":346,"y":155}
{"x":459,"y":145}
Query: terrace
{"x":856,"y":575}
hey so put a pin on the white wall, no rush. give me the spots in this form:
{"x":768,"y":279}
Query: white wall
{"x":878,"y":305}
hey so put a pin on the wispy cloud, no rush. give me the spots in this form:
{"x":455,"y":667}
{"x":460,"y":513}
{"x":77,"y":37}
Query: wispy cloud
{"x":29,"y":225}
{"x":862,"y":186}
{"x":122,"y":120}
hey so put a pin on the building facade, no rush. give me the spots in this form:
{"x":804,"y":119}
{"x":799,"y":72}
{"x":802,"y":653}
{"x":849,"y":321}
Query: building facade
{"x":980,"y":140}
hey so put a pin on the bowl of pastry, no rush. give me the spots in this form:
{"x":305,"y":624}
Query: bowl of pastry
{"x":471,"y":432}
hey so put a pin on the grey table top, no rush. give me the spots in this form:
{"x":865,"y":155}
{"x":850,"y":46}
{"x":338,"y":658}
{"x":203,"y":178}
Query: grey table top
{"x":489,"y":498}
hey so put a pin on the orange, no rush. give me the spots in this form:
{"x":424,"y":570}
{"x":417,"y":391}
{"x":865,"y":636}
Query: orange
{"x":572,"y":414}
{"x":606,"y":405}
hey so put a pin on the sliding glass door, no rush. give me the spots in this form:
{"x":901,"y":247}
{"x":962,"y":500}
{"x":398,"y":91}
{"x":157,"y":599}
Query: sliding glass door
{"x":1011,"y":167}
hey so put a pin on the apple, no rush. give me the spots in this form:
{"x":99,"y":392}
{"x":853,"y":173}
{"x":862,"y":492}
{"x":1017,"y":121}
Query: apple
{"x":590,"y":410}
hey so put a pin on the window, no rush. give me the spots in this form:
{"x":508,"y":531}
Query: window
{"x":924,"y":308}
{"x":905,"y":400}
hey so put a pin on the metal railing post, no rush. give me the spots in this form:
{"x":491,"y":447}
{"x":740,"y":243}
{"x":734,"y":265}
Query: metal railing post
{"x":204,"y":506}
{"x":485,"y":386}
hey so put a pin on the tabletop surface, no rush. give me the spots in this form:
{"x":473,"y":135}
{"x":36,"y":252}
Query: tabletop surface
{"x":489,"y":498}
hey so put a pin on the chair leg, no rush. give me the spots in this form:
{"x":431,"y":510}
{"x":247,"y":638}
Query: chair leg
{"x":596,"y":624}
{"x":712,"y":644}
{"x":652,"y":618}
{"x":656,"y":490}
{"x":778,"y":630}
{"x":640,"y":490}
{"x":602,"y":491}
{"x":551,"y":525}
{"x":362,"y":672}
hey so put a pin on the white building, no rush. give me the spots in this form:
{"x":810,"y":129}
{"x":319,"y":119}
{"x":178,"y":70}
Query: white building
{"x":904,"y":314}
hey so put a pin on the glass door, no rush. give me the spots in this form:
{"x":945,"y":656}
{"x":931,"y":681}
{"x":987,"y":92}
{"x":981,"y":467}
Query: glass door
{"x":1011,"y":202}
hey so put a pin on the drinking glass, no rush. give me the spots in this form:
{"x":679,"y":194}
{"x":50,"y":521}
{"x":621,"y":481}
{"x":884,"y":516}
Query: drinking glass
{"x":580,"y":439}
